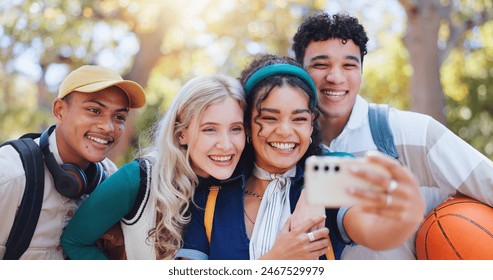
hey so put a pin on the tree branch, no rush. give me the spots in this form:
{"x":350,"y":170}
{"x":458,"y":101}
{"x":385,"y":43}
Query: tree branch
{"x":409,"y":6}
{"x":458,"y":32}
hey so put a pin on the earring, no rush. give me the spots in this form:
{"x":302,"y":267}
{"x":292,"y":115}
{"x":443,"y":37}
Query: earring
{"x":248,"y":139}
{"x":311,"y":141}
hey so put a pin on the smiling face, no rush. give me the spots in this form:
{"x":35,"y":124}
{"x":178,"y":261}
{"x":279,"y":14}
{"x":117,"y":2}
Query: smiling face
{"x":336,"y":70}
{"x":89,"y":125}
{"x":281,"y":130}
{"x":216,"y":141}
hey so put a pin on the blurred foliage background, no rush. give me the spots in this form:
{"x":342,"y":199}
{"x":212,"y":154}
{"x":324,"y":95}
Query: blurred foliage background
{"x":431,"y":56}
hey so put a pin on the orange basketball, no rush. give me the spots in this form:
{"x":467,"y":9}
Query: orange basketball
{"x":458,"y":229}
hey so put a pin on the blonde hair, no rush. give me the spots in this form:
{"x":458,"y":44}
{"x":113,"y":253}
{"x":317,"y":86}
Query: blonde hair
{"x":172,"y":178}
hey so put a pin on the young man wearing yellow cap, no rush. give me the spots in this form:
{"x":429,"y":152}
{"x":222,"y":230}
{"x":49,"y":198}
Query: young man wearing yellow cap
{"x":90,"y":112}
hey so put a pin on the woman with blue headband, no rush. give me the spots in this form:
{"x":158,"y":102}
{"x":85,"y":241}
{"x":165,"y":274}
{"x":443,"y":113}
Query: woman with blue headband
{"x":251,"y":215}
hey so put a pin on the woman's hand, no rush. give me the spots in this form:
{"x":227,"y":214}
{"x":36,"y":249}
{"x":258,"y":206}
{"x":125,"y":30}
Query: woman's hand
{"x":295,"y":244}
{"x":399,"y":197}
{"x":304,"y":211}
{"x":388,"y":217}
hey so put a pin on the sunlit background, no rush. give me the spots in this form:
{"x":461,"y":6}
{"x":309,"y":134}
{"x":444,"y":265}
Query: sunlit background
{"x":161,"y":44}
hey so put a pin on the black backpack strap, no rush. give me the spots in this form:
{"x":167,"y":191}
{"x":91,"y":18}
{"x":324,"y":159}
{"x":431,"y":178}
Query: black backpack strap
{"x":378,"y":115}
{"x":27,"y":215}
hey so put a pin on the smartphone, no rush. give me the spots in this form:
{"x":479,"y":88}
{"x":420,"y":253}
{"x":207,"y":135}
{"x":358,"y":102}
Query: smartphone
{"x":327,"y":179}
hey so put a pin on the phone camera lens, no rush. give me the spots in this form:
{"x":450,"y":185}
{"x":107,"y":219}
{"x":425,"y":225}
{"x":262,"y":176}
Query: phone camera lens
{"x":315,"y":167}
{"x":326,"y":168}
{"x":337,"y":168}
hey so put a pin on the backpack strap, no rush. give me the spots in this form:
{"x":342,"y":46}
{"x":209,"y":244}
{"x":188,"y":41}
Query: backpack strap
{"x":378,"y":115}
{"x":330,"y":254}
{"x":142,"y":194}
{"x":27,"y":215}
{"x":210,"y":205}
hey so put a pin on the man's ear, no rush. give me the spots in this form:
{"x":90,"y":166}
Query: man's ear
{"x":59,"y":108}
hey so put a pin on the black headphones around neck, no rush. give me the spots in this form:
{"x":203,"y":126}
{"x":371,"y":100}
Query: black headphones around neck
{"x":70,"y":180}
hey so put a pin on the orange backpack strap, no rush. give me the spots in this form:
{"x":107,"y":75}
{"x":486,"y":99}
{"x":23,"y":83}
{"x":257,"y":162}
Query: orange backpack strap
{"x":330,"y":254}
{"x":209,"y":210}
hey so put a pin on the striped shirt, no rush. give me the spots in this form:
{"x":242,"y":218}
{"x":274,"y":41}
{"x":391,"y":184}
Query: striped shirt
{"x":442,"y":162}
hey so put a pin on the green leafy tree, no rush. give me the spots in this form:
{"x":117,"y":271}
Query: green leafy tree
{"x":434,"y":29}
{"x":468,"y":81}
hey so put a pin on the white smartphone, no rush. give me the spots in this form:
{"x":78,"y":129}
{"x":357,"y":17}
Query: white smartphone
{"x":327,"y":179}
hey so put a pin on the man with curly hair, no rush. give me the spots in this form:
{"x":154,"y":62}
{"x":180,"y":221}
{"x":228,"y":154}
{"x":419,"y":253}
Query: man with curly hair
{"x":331,"y":49}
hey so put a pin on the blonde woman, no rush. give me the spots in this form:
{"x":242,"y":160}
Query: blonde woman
{"x":202,"y":135}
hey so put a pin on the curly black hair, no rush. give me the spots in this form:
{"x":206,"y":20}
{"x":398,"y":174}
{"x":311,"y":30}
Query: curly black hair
{"x":321,"y":26}
{"x":261,"y":91}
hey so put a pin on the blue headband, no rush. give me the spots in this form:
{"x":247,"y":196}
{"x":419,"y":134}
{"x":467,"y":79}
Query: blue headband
{"x":277,"y":69}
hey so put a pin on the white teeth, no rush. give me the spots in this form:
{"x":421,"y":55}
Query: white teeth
{"x":221,"y":158}
{"x":333,"y":93}
{"x":98,"y":140}
{"x":283,"y":146}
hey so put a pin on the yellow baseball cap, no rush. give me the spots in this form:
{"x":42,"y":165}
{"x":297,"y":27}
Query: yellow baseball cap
{"x":90,"y":78}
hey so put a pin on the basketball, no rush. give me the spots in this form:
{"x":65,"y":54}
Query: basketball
{"x":460,"y":228}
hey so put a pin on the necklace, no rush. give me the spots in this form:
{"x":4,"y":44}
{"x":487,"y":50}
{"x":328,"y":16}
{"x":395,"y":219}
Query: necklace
{"x":251,"y":221}
{"x":253,"y":194}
